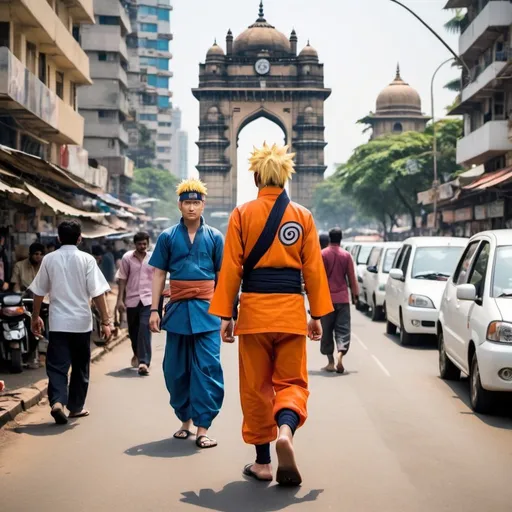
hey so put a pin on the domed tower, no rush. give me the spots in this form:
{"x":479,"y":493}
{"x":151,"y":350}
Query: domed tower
{"x":260,"y":74}
{"x":398,"y":110}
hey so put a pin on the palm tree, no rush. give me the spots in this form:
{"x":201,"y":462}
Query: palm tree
{"x":458,"y":23}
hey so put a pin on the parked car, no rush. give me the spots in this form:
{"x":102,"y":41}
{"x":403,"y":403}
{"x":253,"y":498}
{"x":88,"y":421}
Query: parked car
{"x":361,"y":252}
{"x":376,"y":275}
{"x":475,"y":320}
{"x":416,"y":284}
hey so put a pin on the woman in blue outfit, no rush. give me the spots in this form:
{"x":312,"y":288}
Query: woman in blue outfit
{"x":191,"y":252}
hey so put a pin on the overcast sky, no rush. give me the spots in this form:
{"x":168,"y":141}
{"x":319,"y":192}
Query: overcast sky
{"x":359,"y":41}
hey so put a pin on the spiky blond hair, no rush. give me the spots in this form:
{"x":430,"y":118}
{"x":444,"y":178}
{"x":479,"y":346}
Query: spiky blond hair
{"x":192,"y":185}
{"x":274,"y":165}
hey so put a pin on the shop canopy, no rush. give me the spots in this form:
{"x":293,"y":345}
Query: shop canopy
{"x":12,"y":190}
{"x":92,"y":230}
{"x":60,"y":207}
{"x":491,"y":179}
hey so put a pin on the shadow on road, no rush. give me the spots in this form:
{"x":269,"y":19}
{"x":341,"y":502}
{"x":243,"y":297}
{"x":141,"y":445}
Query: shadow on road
{"x":125,"y":373}
{"x":249,"y":497}
{"x":503,"y":412}
{"x":166,"y":448}
{"x":44,"y":429}
{"x":330,"y":375}
{"x":420,"y":343}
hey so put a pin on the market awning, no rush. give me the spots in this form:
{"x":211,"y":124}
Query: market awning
{"x":113,"y":201}
{"x":93,"y":230}
{"x":12,"y":190}
{"x":490,"y":179}
{"x":60,"y":207}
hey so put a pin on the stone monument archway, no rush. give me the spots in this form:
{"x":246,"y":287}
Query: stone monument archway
{"x":259,"y":75}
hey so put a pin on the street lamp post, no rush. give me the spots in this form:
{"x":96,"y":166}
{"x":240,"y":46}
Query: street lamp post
{"x":435,"y":185}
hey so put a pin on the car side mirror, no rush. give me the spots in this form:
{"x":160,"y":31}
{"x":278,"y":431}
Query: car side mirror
{"x":466,"y":292}
{"x":397,"y":274}
{"x":372,"y":269}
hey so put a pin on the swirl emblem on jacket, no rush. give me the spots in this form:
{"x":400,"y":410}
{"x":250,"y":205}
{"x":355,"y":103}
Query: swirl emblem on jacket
{"x":290,"y":233}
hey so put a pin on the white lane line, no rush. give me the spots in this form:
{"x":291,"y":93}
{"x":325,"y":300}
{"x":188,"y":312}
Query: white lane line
{"x":356,"y":337}
{"x":381,"y":366}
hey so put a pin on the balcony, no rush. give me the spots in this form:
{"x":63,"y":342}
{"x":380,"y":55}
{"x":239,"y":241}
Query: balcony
{"x":104,"y":38}
{"x":492,"y":21}
{"x":24,"y":97}
{"x":114,"y":9}
{"x":488,"y":141}
{"x":81,"y":10}
{"x":108,"y":71}
{"x":484,"y":82}
{"x":107,"y":131}
{"x":46,"y":28}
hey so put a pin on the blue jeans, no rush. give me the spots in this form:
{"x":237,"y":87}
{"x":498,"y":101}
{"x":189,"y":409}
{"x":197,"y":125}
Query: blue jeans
{"x":67,"y":349}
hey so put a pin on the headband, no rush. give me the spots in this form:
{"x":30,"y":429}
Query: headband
{"x":191,"y":196}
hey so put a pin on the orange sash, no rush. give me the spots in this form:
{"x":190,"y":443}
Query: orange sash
{"x":183,"y":290}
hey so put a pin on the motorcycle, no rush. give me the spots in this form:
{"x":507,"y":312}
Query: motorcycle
{"x":14,"y":337}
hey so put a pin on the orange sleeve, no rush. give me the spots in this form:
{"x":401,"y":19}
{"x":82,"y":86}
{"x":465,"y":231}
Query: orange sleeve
{"x":313,"y":269}
{"x":230,"y":277}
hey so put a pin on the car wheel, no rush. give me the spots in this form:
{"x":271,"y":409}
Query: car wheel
{"x":377,"y":311}
{"x":358,"y":305}
{"x":405,"y":338}
{"x":482,"y":401}
{"x":447,"y":370}
{"x":390,"y":327}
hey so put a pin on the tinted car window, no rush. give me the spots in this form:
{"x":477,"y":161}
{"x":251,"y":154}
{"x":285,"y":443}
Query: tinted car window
{"x":463,"y":267}
{"x":435,"y":263}
{"x":373,"y":260}
{"x":502,"y":280}
{"x":479,"y":270}
{"x":364,"y":253}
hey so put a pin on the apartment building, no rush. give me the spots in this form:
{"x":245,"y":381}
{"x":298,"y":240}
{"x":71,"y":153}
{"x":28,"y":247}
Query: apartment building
{"x":104,"y":105}
{"x":486,"y":97}
{"x":41,"y":67}
{"x":179,"y":146}
{"x":149,"y":74}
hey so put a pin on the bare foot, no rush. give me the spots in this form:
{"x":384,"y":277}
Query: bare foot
{"x":261,"y":472}
{"x":287,"y":472}
{"x":329,"y":368}
{"x":339,"y":367}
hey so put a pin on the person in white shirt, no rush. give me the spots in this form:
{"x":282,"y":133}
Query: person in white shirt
{"x":71,"y":278}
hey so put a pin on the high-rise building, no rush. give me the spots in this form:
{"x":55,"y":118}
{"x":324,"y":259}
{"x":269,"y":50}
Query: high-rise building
{"x":179,"y":147}
{"x":149,"y":73}
{"x":41,"y":67}
{"x":104,"y":105}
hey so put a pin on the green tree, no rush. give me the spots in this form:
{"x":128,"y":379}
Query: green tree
{"x":158,"y":184}
{"x":385,"y":175}
{"x":458,"y":23}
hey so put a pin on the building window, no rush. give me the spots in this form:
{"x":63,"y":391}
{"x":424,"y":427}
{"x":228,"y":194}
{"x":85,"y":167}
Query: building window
{"x":102,"y":56}
{"x":42,"y":68}
{"x":164,"y":14}
{"x":76,"y":33}
{"x":148,"y":117}
{"x":31,"y":57}
{"x":111,"y":143}
{"x":164,"y":125}
{"x":163,"y":150}
{"x":147,"y":10}
{"x":163,"y":102}
{"x":73,"y":95}
{"x":107,"y":115}
{"x":5,"y":34}
{"x":152,"y":80}
{"x":164,"y":136}
{"x":108,"y":20}
{"x":163,"y":64}
{"x":148,"y":27}
{"x":162,"y":82}
{"x":59,"y":84}
{"x":162,"y":45}
{"x":397,"y":128}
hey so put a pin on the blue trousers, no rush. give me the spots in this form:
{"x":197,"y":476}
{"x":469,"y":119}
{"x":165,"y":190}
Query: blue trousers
{"x":193,"y":376}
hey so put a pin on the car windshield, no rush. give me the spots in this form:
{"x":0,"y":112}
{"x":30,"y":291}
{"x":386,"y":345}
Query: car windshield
{"x":502,"y":279}
{"x":364,"y":253}
{"x":388,"y":260}
{"x":435,"y":263}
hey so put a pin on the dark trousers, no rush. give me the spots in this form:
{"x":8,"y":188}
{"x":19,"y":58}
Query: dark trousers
{"x":336,"y":327}
{"x":138,"y":329}
{"x":67,"y":349}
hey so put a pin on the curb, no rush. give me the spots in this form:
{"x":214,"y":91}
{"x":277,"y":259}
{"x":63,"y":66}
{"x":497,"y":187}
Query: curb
{"x":19,"y":400}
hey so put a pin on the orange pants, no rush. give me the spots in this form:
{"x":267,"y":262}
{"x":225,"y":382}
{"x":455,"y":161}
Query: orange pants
{"x":273,"y":376}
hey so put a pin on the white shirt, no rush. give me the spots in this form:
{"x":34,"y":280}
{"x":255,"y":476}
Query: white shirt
{"x":71,"y":278}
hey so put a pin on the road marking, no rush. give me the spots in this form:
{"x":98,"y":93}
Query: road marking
{"x":381,"y":366}
{"x":359,"y":341}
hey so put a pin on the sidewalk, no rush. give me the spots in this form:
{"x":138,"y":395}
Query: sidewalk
{"x":26,"y":389}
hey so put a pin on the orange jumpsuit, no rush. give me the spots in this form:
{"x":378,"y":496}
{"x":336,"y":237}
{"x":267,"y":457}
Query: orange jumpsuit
{"x":272,"y":327}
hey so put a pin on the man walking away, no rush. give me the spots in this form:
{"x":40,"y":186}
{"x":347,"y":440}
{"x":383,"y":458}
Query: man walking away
{"x":135,"y":277}
{"x":324,"y":240}
{"x":71,"y":278}
{"x":339,"y":266}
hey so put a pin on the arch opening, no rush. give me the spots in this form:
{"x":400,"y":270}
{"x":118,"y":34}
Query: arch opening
{"x":398,"y":128}
{"x":252,"y":133}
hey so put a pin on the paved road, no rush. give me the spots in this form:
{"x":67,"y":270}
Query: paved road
{"x":387,"y":436}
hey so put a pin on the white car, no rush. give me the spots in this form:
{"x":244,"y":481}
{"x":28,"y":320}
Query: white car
{"x":416,"y":284}
{"x":376,"y":276}
{"x":475,"y":320}
{"x":360,"y":253}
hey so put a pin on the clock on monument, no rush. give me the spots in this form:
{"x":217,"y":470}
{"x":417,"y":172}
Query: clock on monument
{"x":262,"y":67}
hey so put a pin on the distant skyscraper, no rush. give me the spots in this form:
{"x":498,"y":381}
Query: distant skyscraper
{"x":179,"y":147}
